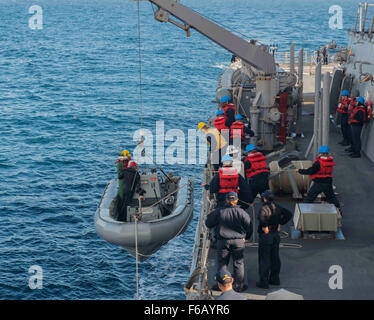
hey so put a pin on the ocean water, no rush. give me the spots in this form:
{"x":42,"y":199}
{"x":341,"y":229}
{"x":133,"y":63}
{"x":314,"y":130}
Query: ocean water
{"x":69,"y":102}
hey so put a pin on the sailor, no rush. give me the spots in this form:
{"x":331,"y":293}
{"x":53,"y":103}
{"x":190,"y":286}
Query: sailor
{"x":219,"y":121}
{"x":131,"y":179}
{"x":237,"y":163}
{"x":271,"y":216}
{"x":217,"y":143}
{"x":357,"y":119}
{"x":343,"y":107}
{"x":228,"y":109}
{"x":232,"y":225}
{"x":224,"y":281}
{"x":228,"y":180}
{"x":256,"y":170}
{"x":238,"y":129}
{"x":353,"y":97}
{"x":321,"y":174}
{"x":121,"y":164}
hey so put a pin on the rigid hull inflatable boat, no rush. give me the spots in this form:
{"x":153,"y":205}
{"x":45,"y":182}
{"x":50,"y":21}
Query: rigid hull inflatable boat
{"x":158,"y":211}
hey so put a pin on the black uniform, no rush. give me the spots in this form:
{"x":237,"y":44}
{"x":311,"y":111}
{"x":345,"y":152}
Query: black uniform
{"x":245,"y":192}
{"x":131,"y":179}
{"x":271,"y":215}
{"x":231,"y":225}
{"x":259,"y":183}
{"x":319,"y":185}
{"x":356,"y":132}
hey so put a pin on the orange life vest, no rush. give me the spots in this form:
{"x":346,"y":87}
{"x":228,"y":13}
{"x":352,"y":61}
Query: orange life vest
{"x":351,"y":105}
{"x":258,"y":164}
{"x":219,"y":123}
{"x":228,"y":180}
{"x":125,"y":162}
{"x":239,"y":130}
{"x":326,"y":167}
{"x":343,"y":106}
{"x":354,"y":112}
{"x":227,"y":107}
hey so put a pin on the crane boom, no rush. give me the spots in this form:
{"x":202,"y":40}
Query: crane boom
{"x":249,"y":53}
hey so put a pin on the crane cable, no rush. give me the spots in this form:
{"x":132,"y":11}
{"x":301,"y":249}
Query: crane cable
{"x":141,"y":126}
{"x":140,"y":70}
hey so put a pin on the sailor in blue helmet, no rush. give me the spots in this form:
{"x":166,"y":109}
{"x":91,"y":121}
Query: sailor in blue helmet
{"x":256,"y":170}
{"x":321,"y":174}
{"x":271,"y":217}
{"x":357,"y":119}
{"x":228,"y":109}
{"x":232,"y":225}
{"x":239,"y":129}
{"x":343,"y":109}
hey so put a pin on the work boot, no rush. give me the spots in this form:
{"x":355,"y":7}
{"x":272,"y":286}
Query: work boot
{"x":344,"y":144}
{"x":350,"y":149}
{"x":275,"y":281}
{"x":262,"y":285}
{"x":355,"y":155}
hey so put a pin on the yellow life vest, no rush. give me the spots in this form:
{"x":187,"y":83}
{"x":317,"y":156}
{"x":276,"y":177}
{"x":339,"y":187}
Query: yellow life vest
{"x":220,"y":140}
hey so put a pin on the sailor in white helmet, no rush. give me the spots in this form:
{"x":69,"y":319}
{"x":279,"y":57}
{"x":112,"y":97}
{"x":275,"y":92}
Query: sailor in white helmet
{"x":237,"y":163}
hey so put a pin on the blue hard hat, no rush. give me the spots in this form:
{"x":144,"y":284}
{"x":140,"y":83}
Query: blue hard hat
{"x":345,"y":93}
{"x":323,"y":149}
{"x":360,"y":100}
{"x":238,"y":117}
{"x":219,"y":112}
{"x":224,"y":99}
{"x":226,"y":158}
{"x":250,"y":147}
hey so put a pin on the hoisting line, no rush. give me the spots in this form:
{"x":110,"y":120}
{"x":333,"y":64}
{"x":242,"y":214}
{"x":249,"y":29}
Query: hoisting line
{"x":140,"y":70}
{"x":141,"y":141}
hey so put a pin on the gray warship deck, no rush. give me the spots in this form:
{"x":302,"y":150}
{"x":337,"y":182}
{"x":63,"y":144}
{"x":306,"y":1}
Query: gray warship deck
{"x":306,"y":270}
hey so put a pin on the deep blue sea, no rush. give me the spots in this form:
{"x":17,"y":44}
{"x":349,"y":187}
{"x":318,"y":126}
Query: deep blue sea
{"x":69,"y":102}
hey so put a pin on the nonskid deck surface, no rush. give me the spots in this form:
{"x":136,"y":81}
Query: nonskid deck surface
{"x":306,"y":270}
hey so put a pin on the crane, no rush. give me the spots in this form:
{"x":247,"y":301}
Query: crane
{"x":250,"y":53}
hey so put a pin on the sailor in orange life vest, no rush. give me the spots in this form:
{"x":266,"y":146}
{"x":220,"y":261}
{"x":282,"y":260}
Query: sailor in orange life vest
{"x":220,"y":120}
{"x":357,"y":119}
{"x":228,"y":109}
{"x":343,"y":107}
{"x":256,"y":170}
{"x":131,"y":180}
{"x":227,"y":180}
{"x":321,"y":174}
{"x":121,"y":165}
{"x":238,"y":129}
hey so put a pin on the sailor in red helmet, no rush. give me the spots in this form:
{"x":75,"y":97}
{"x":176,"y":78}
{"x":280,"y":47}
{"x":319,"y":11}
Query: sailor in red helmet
{"x":228,"y":109}
{"x":321,"y":174}
{"x":227,"y":180}
{"x":256,"y":170}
